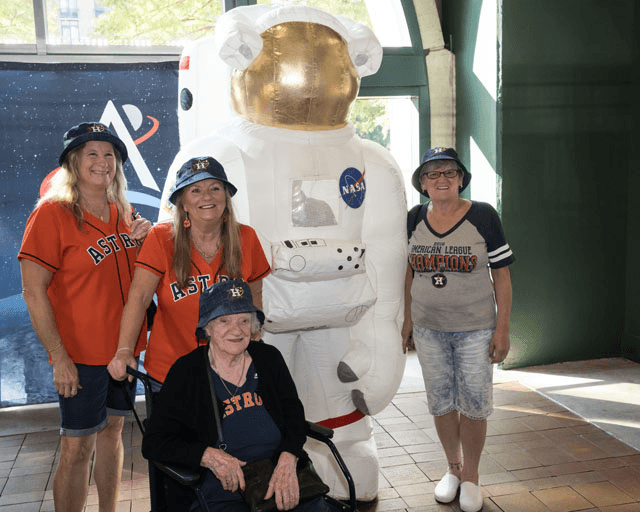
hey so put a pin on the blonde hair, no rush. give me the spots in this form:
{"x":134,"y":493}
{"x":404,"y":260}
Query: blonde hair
{"x":231,"y":258}
{"x":63,"y":187}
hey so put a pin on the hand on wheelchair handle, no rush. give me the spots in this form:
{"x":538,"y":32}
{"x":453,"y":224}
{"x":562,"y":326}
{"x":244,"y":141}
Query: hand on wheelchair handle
{"x":117,"y":368}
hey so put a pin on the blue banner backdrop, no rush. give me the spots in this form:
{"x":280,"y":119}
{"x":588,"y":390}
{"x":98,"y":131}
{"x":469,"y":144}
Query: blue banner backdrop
{"x":38,"y":103}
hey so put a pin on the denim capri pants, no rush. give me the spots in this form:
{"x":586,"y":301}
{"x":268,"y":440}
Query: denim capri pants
{"x":457,"y":371}
{"x":86,"y":413}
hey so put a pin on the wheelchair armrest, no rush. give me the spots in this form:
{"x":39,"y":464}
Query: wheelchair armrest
{"x":181,"y":475}
{"x":318,"y":432}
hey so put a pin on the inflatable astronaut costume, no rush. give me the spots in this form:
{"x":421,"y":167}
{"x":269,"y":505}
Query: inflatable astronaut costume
{"x":329,"y":209}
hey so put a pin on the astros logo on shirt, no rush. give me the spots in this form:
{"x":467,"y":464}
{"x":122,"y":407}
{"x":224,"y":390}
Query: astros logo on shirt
{"x":439,"y":280}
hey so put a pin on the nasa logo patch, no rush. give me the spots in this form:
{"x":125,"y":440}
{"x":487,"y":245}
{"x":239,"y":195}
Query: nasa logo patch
{"x":439,"y":280}
{"x":352,"y":187}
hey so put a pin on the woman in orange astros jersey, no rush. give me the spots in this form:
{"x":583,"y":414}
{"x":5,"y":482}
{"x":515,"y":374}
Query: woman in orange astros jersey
{"x":203,"y":245}
{"x":76,"y":260}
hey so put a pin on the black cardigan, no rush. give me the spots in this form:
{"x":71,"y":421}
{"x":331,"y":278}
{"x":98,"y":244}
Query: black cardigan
{"x":183,"y":425}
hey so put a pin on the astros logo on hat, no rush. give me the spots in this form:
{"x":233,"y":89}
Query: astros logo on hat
{"x":235,"y":292}
{"x":438,"y":149}
{"x":96,"y":128}
{"x":200,"y":165}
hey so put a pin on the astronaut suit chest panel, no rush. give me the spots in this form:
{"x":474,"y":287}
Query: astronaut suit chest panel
{"x":302,"y":171}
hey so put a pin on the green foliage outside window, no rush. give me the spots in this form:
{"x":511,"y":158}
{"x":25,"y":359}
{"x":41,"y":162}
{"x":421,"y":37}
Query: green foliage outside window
{"x":369,"y":116}
{"x":16,"y":21}
{"x":159,"y":21}
{"x":355,"y":10}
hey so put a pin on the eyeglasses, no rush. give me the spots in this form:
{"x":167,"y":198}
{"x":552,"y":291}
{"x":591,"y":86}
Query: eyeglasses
{"x":434,"y":175}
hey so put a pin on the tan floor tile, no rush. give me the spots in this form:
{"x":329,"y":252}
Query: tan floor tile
{"x":434,"y":469}
{"x":410,"y":437}
{"x":629,"y":507}
{"x":516,"y":439}
{"x":400,"y":427}
{"x":30,"y":470}
{"x":9,"y":453}
{"x":15,"y":440}
{"x":430,"y":456}
{"x":140,"y":505}
{"x":520,"y":502}
{"x":514,"y":461}
{"x":544,"y":483}
{"x":390,"y":505}
{"x":391,"y":452}
{"x":489,"y":465}
{"x":21,"y":498}
{"x":603,"y":494}
{"x":394,"y":420}
{"x":562,"y":499}
{"x":384,"y":440}
{"x":414,"y":489}
{"x":388,"y":493}
{"x":404,"y":475}
{"x":547,"y":422}
{"x":390,"y":411}
{"x":496,"y":478}
{"x":422,"y":420}
{"x":419,"y":500}
{"x":581,"y":478}
{"x":556,"y":455}
{"x":22,"y":485}
{"x":22,"y":507}
{"x":398,"y":460}
{"x":507,"y":426}
{"x":631,"y":460}
{"x":47,"y":506}
{"x":569,"y":467}
{"x":532,"y":473}
{"x":434,"y":507}
{"x":423,"y":448}
{"x":5,"y":468}
{"x":505,"y":488}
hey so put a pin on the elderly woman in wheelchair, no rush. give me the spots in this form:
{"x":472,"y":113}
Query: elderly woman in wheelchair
{"x":259,"y":415}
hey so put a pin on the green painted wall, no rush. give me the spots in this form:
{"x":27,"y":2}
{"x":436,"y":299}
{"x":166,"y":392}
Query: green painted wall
{"x":631,"y":339}
{"x":562,"y":140}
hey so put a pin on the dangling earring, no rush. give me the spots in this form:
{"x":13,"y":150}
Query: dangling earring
{"x":187,"y":222}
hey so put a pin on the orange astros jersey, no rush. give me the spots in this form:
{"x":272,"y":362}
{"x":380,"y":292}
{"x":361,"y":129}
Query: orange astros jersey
{"x":92,"y":271}
{"x":174,"y":326}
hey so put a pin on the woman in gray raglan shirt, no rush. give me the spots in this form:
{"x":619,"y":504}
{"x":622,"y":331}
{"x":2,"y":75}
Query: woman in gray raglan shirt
{"x":457,"y":307}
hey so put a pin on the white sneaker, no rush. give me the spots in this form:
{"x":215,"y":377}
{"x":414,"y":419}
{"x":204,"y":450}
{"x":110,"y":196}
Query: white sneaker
{"x":470,"y":497}
{"x":447,"y":488}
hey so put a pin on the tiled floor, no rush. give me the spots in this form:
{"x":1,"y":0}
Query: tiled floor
{"x":539,"y":456}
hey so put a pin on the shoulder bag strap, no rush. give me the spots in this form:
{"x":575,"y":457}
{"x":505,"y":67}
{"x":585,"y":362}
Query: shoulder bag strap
{"x":221,"y":444}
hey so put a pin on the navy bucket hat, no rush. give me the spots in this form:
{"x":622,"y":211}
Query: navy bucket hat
{"x":225,"y":298}
{"x":86,"y":131}
{"x":198,"y":169}
{"x":440,"y":153}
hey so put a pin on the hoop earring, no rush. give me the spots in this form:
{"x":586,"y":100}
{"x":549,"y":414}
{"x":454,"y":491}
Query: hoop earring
{"x":187,"y":222}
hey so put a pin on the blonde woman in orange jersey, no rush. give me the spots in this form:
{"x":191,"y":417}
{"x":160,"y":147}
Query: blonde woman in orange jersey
{"x":76,"y":260}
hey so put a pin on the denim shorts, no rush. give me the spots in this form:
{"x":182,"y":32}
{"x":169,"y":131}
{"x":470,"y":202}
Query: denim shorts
{"x":457,"y":371}
{"x":86,"y":413}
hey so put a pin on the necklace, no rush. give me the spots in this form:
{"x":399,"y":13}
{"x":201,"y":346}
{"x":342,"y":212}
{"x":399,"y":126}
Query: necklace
{"x":244,"y":360}
{"x":206,"y":255}
{"x":94,"y":210}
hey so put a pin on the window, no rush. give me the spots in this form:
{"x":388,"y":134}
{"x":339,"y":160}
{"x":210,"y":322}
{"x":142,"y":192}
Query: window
{"x":132,"y":23}
{"x":392,"y":122}
{"x":384,"y":17}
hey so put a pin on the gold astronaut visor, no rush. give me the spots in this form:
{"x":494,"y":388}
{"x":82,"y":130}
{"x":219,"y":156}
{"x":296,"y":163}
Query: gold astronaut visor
{"x":303,"y":79}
